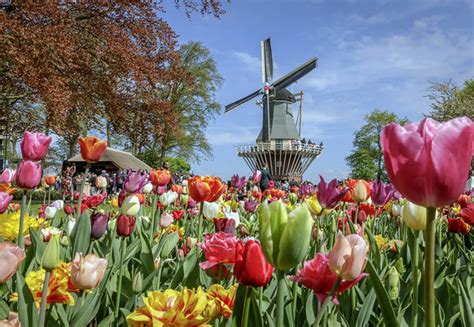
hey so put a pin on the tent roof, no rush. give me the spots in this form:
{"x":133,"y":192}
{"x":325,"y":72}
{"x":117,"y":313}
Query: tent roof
{"x":121,"y":159}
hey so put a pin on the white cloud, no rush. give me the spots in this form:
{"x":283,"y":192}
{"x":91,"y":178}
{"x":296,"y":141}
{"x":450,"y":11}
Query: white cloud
{"x":247,"y":61}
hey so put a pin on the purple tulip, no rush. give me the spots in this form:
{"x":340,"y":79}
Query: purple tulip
{"x":257,"y":176}
{"x":225,"y":225}
{"x":381,"y":192}
{"x":396,"y":195}
{"x":5,"y":200}
{"x":28,"y":174}
{"x":250,"y":205}
{"x":134,"y":182}
{"x":305,"y":189}
{"x":99,"y":223}
{"x":34,"y":146}
{"x":237,"y":182}
{"x":330,"y":194}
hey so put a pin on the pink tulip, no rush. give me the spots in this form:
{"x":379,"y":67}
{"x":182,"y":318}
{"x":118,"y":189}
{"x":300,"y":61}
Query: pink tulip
{"x":348,"y":256}
{"x":34,"y":146}
{"x":257,"y":176}
{"x":28,"y":174}
{"x":166,"y":219}
{"x":7,"y":176}
{"x":87,"y":272}
{"x":10,"y":257}
{"x":5,"y":200}
{"x":429,"y":162}
{"x":12,"y":321}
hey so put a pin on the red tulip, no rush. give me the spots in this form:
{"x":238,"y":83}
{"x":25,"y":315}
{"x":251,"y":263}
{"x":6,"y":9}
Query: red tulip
{"x":218,"y":248}
{"x":68,"y":209}
{"x":177,"y":214}
{"x":251,"y":268}
{"x":464,"y":200}
{"x":92,"y":149}
{"x":34,"y":146}
{"x":428,"y":162}
{"x":317,"y":276}
{"x":457,"y":225}
{"x":467,"y":214}
{"x":28,"y":174}
{"x":125,"y":225}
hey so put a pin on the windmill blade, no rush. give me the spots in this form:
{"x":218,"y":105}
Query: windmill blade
{"x":237,"y":103}
{"x":267,"y":60}
{"x":296,"y":74}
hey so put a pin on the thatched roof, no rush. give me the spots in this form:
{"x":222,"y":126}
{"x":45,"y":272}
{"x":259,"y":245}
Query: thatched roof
{"x":121,"y":159}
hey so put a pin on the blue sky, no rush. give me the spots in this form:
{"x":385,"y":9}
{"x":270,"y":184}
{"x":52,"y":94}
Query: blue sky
{"x":372,"y":54}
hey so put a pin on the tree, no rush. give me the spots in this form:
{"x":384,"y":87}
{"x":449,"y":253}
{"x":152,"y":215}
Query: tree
{"x":449,"y":101}
{"x":154,"y":159}
{"x":366,"y":159}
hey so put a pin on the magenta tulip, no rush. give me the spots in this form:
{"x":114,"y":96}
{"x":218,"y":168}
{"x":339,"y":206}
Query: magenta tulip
{"x":5,"y":200}
{"x":429,"y":162}
{"x":7,"y":176}
{"x":28,"y":174}
{"x":34,"y":146}
{"x":237,"y":182}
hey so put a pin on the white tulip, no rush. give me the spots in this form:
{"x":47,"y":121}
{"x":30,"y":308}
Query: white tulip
{"x":211,"y":209}
{"x":168,"y":198}
{"x":147,"y":188}
{"x":58,"y":204}
{"x":50,"y":212}
{"x":130,"y":206}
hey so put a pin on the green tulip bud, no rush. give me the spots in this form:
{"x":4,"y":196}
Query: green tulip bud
{"x":295,"y":239}
{"x":393,"y":284}
{"x":50,"y":258}
{"x":137,"y":283}
{"x":292,"y":197}
{"x":272,"y":220}
{"x":284,"y":238}
{"x":399,"y":266}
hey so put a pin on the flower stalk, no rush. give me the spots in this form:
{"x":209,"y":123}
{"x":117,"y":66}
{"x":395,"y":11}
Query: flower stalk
{"x":20,"y":240}
{"x":414,"y":271}
{"x":429,"y":296}
{"x":44,"y":296}
{"x":326,"y":302}
{"x":280,"y":309}
{"x":119,"y":286}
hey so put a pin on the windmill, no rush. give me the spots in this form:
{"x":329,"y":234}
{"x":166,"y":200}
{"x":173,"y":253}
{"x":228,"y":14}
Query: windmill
{"x":278,"y":143}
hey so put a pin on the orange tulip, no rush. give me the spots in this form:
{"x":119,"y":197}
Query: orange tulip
{"x":177,"y":188}
{"x":206,"y":188}
{"x":92,"y":148}
{"x":159,"y":177}
{"x":6,"y":187}
{"x":50,"y":180}
{"x":359,"y":189}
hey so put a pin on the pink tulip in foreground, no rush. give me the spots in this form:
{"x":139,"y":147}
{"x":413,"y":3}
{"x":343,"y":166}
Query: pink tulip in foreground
{"x":34,"y":146}
{"x":348,"y":257}
{"x":5,"y":200}
{"x":429,"y":162}
{"x":87,"y":272}
{"x":10,"y":258}
{"x":28,"y":174}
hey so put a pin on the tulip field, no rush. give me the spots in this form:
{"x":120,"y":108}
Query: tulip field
{"x":204,"y":253}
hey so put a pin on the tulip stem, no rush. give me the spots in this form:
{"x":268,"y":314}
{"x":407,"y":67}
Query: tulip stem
{"x":326,"y":302}
{"x":201,"y":208}
{"x":247,"y":301}
{"x":153,"y":214}
{"x":44,"y":296}
{"x":119,"y":286}
{"x":295,"y":299}
{"x":280,"y":309}
{"x":414,"y":271}
{"x":429,"y":296}
{"x":20,"y":240}
{"x":81,"y":190}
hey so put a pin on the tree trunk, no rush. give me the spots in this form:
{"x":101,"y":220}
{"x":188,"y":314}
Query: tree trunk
{"x":72,"y":148}
{"x":109,"y":133}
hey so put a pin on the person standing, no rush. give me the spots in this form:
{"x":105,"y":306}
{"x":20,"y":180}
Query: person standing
{"x":266,"y":177}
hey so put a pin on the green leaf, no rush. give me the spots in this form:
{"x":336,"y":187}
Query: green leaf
{"x":81,"y":235}
{"x":189,"y":262}
{"x":4,"y":310}
{"x":309,"y":310}
{"x":382,"y":296}
{"x":366,"y":309}
{"x":38,"y":244}
{"x":146,"y":254}
{"x":466,"y":308}
{"x":27,"y":311}
{"x":169,"y":243}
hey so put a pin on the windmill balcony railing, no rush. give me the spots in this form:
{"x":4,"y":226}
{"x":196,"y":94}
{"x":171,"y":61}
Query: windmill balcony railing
{"x":258,"y":147}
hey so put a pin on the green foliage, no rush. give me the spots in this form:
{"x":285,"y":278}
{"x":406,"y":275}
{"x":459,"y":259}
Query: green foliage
{"x":449,"y":101}
{"x":366,"y":159}
{"x":154,"y":159}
